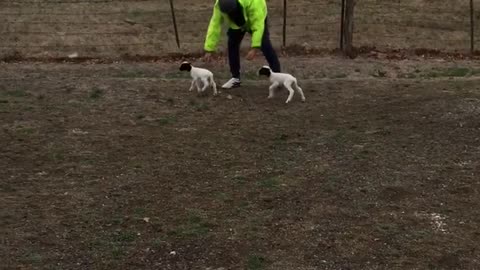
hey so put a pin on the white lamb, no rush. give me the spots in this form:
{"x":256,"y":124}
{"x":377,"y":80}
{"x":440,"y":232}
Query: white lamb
{"x":278,"y":79}
{"x":199,"y":74}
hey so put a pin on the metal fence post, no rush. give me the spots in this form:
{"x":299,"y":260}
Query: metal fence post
{"x":174,"y":20}
{"x":472,"y":27}
{"x":342,"y":20}
{"x":284,"y":23}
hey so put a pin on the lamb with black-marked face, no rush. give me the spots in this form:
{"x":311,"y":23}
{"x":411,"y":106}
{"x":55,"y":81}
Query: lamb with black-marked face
{"x":185,"y":66}
{"x":279,"y":79}
{"x":199,"y":75}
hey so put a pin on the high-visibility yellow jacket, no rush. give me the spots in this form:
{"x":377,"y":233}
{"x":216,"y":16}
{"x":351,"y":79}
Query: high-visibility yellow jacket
{"x":255,"y":13}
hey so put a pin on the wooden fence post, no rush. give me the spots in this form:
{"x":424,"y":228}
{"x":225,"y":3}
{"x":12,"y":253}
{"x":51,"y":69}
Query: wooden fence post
{"x":348,"y":28}
{"x":174,"y":20}
{"x":342,"y":20}
{"x":472,"y":27}
{"x":284,"y":23}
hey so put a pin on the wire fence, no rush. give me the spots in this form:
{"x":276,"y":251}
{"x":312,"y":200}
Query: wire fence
{"x":440,"y":25}
{"x":115,"y":28}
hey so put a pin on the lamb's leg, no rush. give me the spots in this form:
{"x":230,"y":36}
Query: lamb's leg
{"x":300,"y":91}
{"x":214,"y":86}
{"x":205,"y":84}
{"x":197,"y":83}
{"x":291,"y":92}
{"x":191,"y":86}
{"x":271,"y":89}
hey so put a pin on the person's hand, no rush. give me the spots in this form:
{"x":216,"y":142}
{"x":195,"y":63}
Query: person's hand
{"x":207,"y":57}
{"x":252,"y":53}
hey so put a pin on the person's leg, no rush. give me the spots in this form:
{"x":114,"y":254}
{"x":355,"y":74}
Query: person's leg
{"x":269,"y":51}
{"x":235,"y":38}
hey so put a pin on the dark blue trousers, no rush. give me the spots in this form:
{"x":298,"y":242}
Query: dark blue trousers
{"x":235,"y":37}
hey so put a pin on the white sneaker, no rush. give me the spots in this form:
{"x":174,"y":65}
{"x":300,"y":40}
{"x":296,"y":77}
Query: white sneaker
{"x":232,"y":83}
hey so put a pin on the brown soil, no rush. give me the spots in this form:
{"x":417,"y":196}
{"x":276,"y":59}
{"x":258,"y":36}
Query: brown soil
{"x":112,"y":166}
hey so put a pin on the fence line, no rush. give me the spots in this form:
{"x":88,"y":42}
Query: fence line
{"x":86,"y":23}
{"x":74,"y":2}
{"x":46,"y":27}
{"x":80,"y":45}
{"x":79,"y":14}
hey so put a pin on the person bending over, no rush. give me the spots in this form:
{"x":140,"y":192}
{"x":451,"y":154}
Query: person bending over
{"x":242,"y":16}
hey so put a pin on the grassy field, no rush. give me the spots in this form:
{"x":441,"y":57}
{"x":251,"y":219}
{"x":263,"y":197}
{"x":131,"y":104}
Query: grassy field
{"x":118,"y":166}
{"x":104,"y":28}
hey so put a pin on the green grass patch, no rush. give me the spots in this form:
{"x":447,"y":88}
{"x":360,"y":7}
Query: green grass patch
{"x":57,"y":157}
{"x":281,"y":138}
{"x":25,"y":131}
{"x":222,"y":196}
{"x":199,"y":106}
{"x":16,"y":93}
{"x":132,"y":74}
{"x":158,"y":242}
{"x":239,"y":179}
{"x":194,"y":227}
{"x":139,"y":212}
{"x":117,"y":251}
{"x":33,"y":258}
{"x":457,"y":72}
{"x":114,"y":244}
{"x":96,"y":93}
{"x":345,"y":137}
{"x":339,"y":76}
{"x":202,"y":107}
{"x":250,"y":75}
{"x":270,"y":183}
{"x":475,"y":72}
{"x":167,"y":120}
{"x":256,"y":262}
{"x":449,"y":72}
{"x":177,"y":75}
{"x":117,"y":221}
{"x":124,"y":237}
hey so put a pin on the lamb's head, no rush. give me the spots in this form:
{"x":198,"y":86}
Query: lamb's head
{"x":185,"y":66}
{"x":265,"y":71}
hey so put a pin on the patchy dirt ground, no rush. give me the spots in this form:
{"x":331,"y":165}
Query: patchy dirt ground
{"x":119,"y":167}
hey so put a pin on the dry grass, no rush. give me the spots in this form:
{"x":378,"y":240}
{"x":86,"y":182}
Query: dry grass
{"x":113,"y":29}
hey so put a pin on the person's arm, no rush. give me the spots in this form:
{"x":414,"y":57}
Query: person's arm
{"x":214,"y":30}
{"x":257,"y":13}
